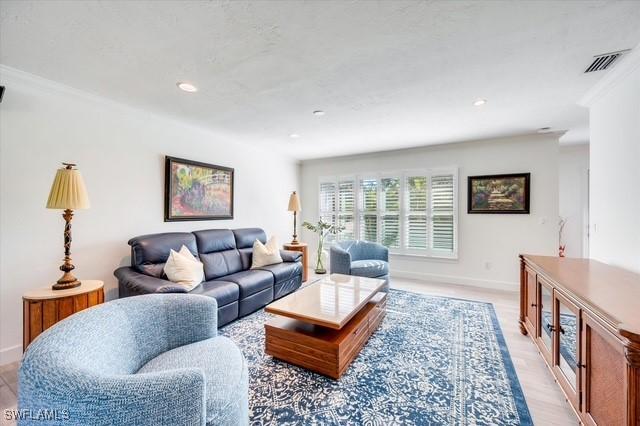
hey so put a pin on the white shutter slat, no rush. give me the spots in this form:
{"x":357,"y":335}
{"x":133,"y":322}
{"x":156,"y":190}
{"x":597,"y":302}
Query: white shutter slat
{"x":346,"y":209}
{"x":416,"y":224}
{"x":368,"y":209}
{"x":390,"y":219}
{"x":369,"y":227}
{"x":390,"y":194}
{"x":442,"y":193}
{"x":346,"y":196}
{"x":347,"y":220}
{"x":390,"y":230}
{"x":327,"y":197}
{"x":369,"y":195}
{"x":442,"y":205}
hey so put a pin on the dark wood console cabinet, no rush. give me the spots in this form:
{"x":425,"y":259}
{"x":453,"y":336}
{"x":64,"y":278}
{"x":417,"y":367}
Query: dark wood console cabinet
{"x":584,"y":317}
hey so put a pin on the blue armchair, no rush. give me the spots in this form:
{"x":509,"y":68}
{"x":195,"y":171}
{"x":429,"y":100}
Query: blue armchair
{"x":146,"y":360}
{"x":361,"y":258}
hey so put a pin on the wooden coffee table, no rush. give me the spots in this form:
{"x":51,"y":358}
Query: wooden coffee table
{"x":323,"y":326}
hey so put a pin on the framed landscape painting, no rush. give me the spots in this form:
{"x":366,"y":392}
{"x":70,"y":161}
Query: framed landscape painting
{"x":499,"y":194}
{"x":197,"y":191}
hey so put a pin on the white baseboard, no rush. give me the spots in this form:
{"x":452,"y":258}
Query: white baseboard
{"x":10,"y":354}
{"x":448,"y":279}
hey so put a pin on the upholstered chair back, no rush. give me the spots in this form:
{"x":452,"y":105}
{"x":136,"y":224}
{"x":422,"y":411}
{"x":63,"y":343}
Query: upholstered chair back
{"x":363,"y":250}
{"x":120,"y":336}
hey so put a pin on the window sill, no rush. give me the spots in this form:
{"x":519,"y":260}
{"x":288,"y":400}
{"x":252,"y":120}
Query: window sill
{"x":431,"y":257}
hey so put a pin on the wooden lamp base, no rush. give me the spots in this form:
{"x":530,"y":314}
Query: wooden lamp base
{"x":68,"y":280}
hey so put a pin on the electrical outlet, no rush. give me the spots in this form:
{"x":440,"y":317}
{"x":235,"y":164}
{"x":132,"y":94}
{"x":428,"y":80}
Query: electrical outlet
{"x":487,"y":265}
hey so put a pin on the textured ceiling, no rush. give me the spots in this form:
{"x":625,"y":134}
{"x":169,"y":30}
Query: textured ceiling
{"x":388,"y":74}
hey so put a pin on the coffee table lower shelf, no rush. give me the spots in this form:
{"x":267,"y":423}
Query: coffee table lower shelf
{"x":323,"y":350}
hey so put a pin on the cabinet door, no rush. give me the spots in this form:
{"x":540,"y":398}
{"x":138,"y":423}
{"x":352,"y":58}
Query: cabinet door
{"x":531,"y":312}
{"x":603,"y":376}
{"x":567,"y":348}
{"x":546,"y":328}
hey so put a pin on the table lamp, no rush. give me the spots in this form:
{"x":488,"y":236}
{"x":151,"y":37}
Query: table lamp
{"x":68,"y":193}
{"x":294,"y":206}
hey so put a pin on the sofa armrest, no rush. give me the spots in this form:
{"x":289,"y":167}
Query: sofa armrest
{"x":340,"y":261}
{"x":290,"y":255}
{"x":138,"y":283}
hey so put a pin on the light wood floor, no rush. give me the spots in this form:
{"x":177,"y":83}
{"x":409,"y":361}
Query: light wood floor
{"x":546,"y":403}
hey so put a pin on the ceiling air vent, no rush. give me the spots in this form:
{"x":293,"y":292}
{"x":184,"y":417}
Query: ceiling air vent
{"x":604,"y":61}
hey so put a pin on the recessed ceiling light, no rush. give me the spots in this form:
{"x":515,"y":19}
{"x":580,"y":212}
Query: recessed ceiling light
{"x":544,"y":130}
{"x":187,"y":87}
{"x":294,"y":136}
{"x":318,"y":112}
{"x":479,"y":102}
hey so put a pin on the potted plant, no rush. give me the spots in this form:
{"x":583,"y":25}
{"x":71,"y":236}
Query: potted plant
{"x":323,"y":229}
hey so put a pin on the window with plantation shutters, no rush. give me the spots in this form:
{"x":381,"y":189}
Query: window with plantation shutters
{"x":338,"y":206}
{"x":328,"y":201}
{"x":411,"y":213}
{"x":416,"y":234}
{"x":390,"y":212}
{"x":346,"y":209}
{"x":368,"y":211}
{"x":442,"y":212}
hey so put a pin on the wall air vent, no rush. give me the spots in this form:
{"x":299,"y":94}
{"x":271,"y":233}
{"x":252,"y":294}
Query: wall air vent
{"x":604,"y":61}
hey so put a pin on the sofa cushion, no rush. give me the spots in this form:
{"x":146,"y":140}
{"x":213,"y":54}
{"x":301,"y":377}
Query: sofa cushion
{"x":221,"y":263}
{"x":212,"y":240}
{"x":369,"y":268}
{"x":224,"y":292}
{"x":150,"y":250}
{"x":245,"y":237}
{"x":283,"y":271}
{"x":251,"y":281}
{"x":225,"y":372}
{"x":217,"y":248}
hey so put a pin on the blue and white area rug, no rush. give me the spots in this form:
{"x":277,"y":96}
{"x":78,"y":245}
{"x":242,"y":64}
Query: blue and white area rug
{"x":433,"y":361}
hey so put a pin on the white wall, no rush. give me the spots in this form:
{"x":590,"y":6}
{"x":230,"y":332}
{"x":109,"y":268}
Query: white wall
{"x":614,"y":106}
{"x":574,"y":198}
{"x":120,"y":152}
{"x":488,"y":244}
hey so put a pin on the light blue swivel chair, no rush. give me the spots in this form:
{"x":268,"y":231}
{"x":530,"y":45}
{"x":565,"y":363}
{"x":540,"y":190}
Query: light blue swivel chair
{"x":361,"y":258}
{"x":146,"y":360}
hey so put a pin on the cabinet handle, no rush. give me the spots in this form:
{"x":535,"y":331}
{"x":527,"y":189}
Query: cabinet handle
{"x":533,"y":305}
{"x":581,"y":365}
{"x":561,"y":330}
{"x":551,"y":328}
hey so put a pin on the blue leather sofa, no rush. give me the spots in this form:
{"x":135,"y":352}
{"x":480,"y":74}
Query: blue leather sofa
{"x":361,"y":258}
{"x":151,"y":360}
{"x":227,"y":257}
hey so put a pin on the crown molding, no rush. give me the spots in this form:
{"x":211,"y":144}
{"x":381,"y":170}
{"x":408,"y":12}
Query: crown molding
{"x":629,"y":64}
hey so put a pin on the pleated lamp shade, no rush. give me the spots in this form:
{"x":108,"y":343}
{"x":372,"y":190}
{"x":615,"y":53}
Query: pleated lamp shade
{"x":68,"y":191}
{"x":294,"y":202}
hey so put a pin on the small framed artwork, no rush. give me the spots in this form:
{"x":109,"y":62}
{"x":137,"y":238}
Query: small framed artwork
{"x":506,"y":194}
{"x":197,"y":191}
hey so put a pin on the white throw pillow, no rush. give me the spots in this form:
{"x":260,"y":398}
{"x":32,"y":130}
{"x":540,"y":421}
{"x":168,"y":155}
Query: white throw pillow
{"x":184,"y":269}
{"x":264,"y":255}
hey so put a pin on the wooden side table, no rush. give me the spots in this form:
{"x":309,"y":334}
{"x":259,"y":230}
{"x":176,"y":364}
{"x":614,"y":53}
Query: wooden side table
{"x":301,"y":247}
{"x":44,"y":307}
